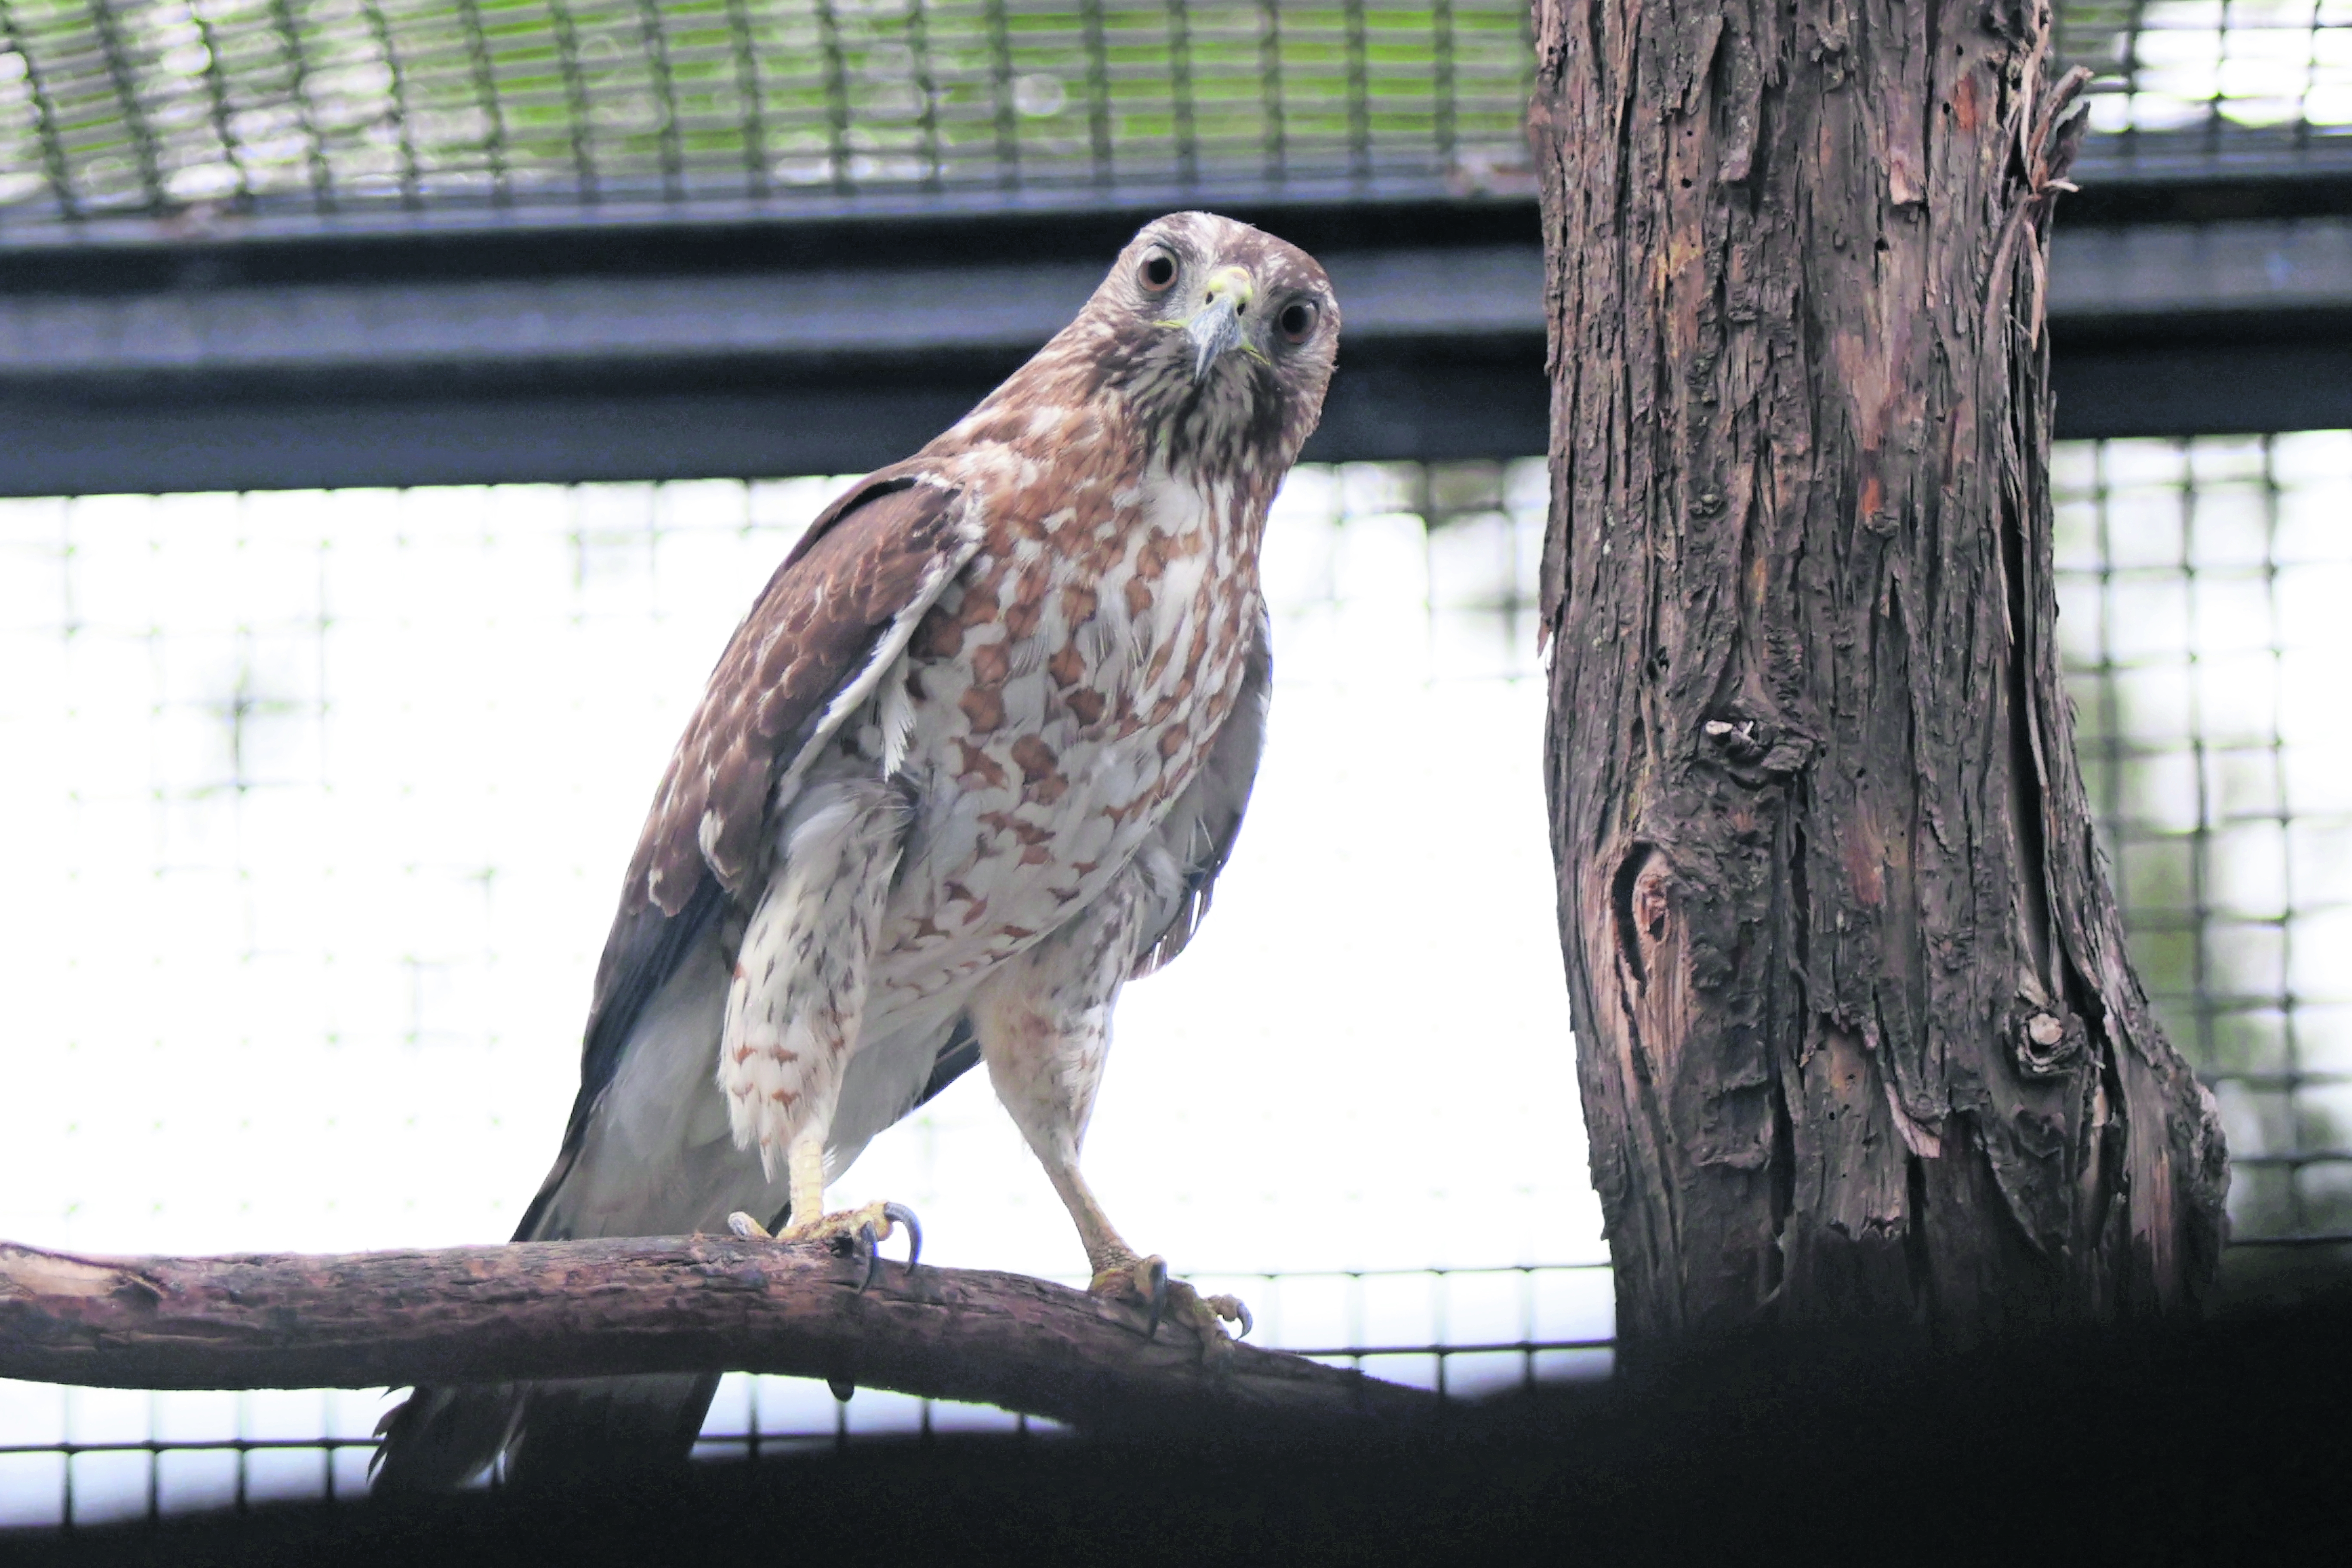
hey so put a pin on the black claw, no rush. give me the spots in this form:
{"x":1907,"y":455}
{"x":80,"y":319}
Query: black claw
{"x":1159,"y":1298}
{"x":1248,"y":1322}
{"x":904,"y":1215}
{"x":873,"y":1246}
{"x":842,"y":1388}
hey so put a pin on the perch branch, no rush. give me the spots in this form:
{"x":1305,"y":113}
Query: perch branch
{"x":593,"y":1308}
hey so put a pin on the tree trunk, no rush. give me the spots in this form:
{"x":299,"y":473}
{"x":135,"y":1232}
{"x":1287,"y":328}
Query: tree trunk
{"x":1857,"y":1033}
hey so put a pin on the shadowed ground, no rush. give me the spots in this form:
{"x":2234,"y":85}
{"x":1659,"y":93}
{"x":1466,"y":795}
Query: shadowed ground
{"x":2209,"y":1445}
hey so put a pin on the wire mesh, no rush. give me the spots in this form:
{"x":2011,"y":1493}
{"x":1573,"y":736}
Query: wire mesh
{"x":321,"y":107}
{"x":323,"y":104}
{"x":2202,"y":586}
{"x":2212,"y":64}
{"x":307,"y":887}
{"x":236,"y":698}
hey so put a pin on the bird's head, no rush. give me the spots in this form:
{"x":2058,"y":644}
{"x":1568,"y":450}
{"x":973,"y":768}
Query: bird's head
{"x":1219,"y":338}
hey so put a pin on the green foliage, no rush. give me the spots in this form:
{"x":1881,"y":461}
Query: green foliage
{"x":145,"y":105}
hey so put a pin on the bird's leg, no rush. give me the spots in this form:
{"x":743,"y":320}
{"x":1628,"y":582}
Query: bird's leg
{"x":1120,"y":1273}
{"x":795,"y":1001}
{"x":870,"y":1225}
{"x":864,"y":1229}
{"x":1044,"y":1023}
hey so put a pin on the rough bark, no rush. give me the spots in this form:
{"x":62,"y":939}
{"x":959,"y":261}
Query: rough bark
{"x":585,"y":1309}
{"x":1856,"y":1033}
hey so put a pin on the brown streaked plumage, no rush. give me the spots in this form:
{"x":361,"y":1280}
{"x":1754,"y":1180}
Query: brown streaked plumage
{"x":973,"y":758}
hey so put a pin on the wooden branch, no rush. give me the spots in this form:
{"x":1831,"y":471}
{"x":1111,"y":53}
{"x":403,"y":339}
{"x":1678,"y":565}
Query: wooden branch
{"x":587,"y":1308}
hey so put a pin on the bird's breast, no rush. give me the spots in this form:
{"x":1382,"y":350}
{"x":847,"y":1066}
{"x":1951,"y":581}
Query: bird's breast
{"x":1064,"y":692}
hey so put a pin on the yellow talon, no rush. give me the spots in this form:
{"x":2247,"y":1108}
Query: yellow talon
{"x":1147,"y":1280}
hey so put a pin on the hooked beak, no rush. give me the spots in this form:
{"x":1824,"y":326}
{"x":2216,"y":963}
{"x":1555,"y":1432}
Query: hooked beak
{"x":1218,"y":327}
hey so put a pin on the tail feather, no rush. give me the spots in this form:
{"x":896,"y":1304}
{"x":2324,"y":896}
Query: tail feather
{"x":641,"y":1166}
{"x":442,"y":1438}
{"x":608,"y":1427}
{"x":551,"y":1432}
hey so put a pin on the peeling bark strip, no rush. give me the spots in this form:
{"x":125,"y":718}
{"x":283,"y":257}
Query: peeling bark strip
{"x":1857,"y":1033}
{"x":596,"y":1309}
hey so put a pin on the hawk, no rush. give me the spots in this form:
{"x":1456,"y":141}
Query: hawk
{"x":973,"y":758}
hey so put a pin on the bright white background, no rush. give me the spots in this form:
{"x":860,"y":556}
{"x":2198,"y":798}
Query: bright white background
{"x":319,"y":804}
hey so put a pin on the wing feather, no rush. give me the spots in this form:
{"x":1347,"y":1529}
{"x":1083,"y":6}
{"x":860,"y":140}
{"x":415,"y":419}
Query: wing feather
{"x":814,"y":646}
{"x":1201,"y":827}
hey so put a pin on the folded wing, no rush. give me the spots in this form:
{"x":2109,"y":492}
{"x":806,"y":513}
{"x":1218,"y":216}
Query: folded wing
{"x":833,"y":618}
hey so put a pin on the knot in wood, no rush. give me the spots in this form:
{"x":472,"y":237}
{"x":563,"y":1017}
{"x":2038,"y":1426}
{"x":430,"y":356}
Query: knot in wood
{"x":2046,"y":1044}
{"x":1743,"y":741}
{"x":1756,"y":751}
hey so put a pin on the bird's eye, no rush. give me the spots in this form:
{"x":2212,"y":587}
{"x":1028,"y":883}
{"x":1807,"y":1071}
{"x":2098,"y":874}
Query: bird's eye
{"x":1297,"y":319}
{"x":1158,"y":271}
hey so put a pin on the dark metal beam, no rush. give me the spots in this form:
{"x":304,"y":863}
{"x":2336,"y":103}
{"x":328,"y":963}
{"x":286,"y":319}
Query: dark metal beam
{"x":2213,"y":328}
{"x":553,"y":355}
{"x":1466,"y":398}
{"x":2199,"y":384}
{"x":558,"y":354}
{"x":2211,"y":174}
{"x":558,"y":326}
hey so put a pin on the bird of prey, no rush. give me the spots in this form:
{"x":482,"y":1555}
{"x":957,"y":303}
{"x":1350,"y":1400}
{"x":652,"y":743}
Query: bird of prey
{"x":973,"y":758}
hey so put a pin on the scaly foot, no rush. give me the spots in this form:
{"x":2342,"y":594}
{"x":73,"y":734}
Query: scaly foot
{"x":1145,"y":1282}
{"x":860,"y":1232}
